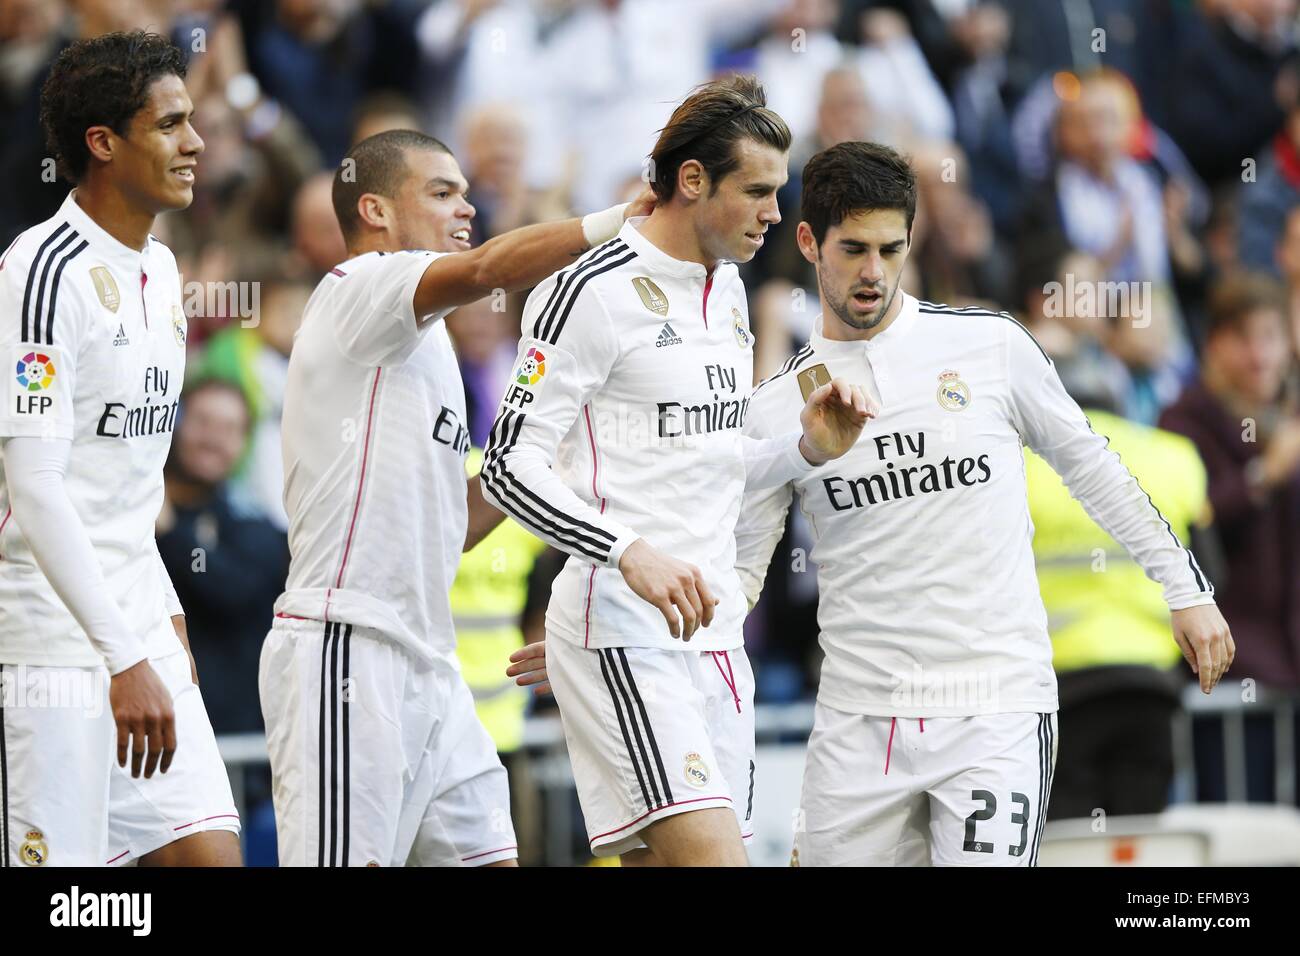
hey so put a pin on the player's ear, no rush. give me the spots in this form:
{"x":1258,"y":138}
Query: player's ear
{"x":692,"y":180}
{"x":373,"y":211}
{"x":99,"y":141}
{"x":803,"y":235}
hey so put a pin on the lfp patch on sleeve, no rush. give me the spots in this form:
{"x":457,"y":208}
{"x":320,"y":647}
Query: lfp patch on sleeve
{"x":529,"y":377}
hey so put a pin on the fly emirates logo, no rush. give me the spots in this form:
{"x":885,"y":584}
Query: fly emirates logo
{"x":898,"y":481}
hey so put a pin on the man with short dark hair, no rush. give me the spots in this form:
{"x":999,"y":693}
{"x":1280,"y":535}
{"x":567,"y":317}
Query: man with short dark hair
{"x":374,"y":439}
{"x":90,"y":315}
{"x":935,"y":730}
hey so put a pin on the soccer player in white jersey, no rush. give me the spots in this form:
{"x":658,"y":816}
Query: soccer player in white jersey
{"x":92,"y":645}
{"x":935,"y":731}
{"x":619,"y":441}
{"x":374,"y":441}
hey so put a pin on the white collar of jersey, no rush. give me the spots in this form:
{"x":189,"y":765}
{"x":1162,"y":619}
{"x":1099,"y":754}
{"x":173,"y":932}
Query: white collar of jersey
{"x":660,"y":261}
{"x":105,"y":246}
{"x":901,"y":325}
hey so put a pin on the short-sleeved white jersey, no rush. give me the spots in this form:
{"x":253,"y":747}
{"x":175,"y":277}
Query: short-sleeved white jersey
{"x":93,"y":336}
{"x":623,"y":420}
{"x":929,"y":600}
{"x":374,"y":438}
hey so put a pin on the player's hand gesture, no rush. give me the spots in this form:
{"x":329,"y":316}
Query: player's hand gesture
{"x":528,"y":668}
{"x":146,"y":723}
{"x":832,"y":420}
{"x":673,"y":586}
{"x":1203,"y":636}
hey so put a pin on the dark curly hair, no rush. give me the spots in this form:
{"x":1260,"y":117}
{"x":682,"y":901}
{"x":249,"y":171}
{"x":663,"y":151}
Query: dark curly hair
{"x":855,"y":177}
{"x":101,"y":82}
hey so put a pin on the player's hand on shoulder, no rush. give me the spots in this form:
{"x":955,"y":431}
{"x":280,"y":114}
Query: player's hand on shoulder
{"x":146,"y":722}
{"x":642,"y":205}
{"x":1206,"y":642}
{"x":528,"y":668}
{"x":674,"y":587}
{"x":832,"y":420}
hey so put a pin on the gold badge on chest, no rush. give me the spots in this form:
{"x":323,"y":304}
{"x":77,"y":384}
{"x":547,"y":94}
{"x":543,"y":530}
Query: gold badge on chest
{"x":652,"y":297}
{"x":106,"y":288}
{"x":811,"y":379}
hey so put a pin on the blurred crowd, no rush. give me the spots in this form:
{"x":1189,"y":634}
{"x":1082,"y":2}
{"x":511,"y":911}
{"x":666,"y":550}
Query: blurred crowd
{"x":1121,"y":175}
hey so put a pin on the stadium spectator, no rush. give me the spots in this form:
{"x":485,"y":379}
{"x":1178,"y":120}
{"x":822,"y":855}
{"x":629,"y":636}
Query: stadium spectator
{"x":317,"y":242}
{"x":1229,"y":71}
{"x":794,"y":58}
{"x":1269,"y":195}
{"x":227,"y":566}
{"x":254,"y":354}
{"x":1245,"y":422}
{"x":496,"y":149}
{"x":1104,"y":203}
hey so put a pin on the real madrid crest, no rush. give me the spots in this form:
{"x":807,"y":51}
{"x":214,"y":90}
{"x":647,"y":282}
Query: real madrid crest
{"x":953,"y":393}
{"x":106,"y":288}
{"x":743,"y":338}
{"x":178,"y":325}
{"x":34,"y":852}
{"x":696,"y":771}
{"x":652,"y":297}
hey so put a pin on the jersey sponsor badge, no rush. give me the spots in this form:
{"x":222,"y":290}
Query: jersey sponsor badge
{"x":106,"y":288}
{"x":811,"y":379}
{"x":34,"y":852}
{"x":696,"y":771}
{"x":652,"y":297}
{"x":953,"y":393}
{"x":743,"y":338}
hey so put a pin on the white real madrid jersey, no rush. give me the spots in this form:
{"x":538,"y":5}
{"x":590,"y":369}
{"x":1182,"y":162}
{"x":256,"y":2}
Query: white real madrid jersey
{"x":374,"y":439}
{"x":623,"y":420}
{"x":929,"y":603}
{"x":94,"y":344}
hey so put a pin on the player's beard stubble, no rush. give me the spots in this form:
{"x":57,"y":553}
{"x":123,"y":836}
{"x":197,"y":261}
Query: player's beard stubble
{"x":840,"y":305}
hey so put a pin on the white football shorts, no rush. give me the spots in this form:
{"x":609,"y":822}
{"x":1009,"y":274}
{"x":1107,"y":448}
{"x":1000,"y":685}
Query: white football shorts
{"x":377,"y":758}
{"x":942,"y":791}
{"x":652,"y":733}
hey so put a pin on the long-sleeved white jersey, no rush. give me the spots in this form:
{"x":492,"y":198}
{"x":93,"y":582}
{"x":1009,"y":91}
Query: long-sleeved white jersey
{"x":929,"y":602}
{"x":623,"y":420}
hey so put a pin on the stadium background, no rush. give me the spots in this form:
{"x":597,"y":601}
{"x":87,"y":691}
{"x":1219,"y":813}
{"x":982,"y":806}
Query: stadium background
{"x":1122,"y":175}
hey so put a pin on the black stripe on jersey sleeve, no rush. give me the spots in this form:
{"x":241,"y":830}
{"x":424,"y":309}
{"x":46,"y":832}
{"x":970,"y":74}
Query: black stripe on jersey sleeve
{"x":31,"y":280}
{"x":54,"y":290}
{"x":39,"y":311}
{"x":793,"y":362}
{"x":564,"y":279}
{"x":502,"y":483}
{"x":554,"y":336}
{"x":977,"y":310}
{"x":1201,"y":582}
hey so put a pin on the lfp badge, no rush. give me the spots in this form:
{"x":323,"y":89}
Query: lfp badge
{"x":532,"y":368}
{"x":35,"y":372}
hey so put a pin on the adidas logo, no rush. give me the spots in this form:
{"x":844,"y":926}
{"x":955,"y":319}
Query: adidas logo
{"x":667,"y":337}
{"x":121,"y":338}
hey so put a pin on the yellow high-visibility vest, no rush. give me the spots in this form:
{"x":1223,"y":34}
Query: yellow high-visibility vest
{"x":487,"y":604}
{"x":1102,"y":609}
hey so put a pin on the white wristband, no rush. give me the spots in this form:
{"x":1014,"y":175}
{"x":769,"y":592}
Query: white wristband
{"x":598,"y":227}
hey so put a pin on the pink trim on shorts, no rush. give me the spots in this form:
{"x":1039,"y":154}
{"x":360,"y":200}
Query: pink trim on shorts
{"x":475,"y":856}
{"x":679,"y":803}
{"x":889,"y":747}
